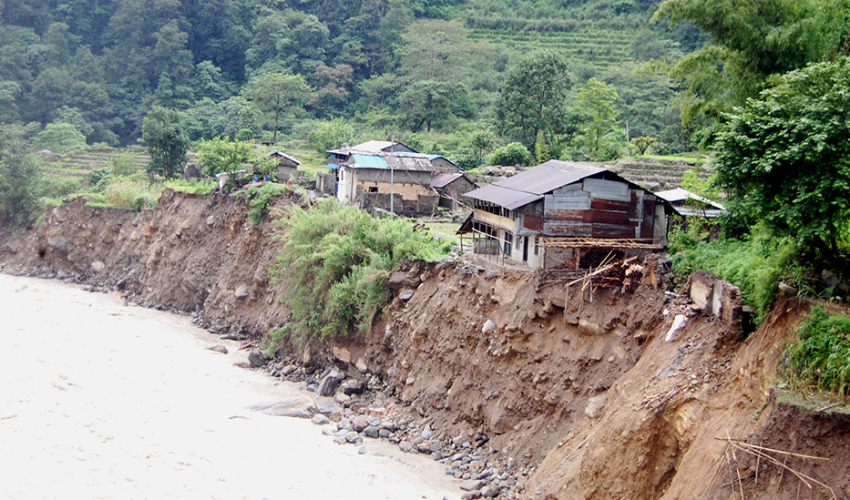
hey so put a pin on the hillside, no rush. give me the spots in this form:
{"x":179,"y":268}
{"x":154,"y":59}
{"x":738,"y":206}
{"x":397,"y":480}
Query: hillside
{"x":80,"y":163}
{"x":413,"y":67}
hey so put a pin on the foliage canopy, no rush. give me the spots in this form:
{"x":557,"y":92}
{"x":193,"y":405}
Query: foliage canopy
{"x":786,"y":156}
{"x":335,"y":263}
{"x":533,"y":97}
{"x":166,"y":141}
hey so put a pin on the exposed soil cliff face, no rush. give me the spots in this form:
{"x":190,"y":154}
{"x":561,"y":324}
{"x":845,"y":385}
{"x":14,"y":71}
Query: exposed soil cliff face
{"x":662,"y":433}
{"x":190,"y":253}
{"x":591,"y":391}
{"x":525,"y":378}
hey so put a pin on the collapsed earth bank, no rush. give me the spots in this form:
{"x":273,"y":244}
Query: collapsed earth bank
{"x":586,"y":387}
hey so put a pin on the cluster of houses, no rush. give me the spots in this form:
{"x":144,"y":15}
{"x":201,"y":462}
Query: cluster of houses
{"x":552,"y":216}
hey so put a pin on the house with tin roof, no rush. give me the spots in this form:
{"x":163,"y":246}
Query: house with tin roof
{"x":565,"y":215}
{"x":388,"y":176}
{"x":398,"y":181}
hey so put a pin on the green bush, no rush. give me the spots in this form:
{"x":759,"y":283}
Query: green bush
{"x":755,"y":266}
{"x":512,"y":154}
{"x":335,"y":263}
{"x":20,"y":185}
{"x":97,"y":175}
{"x":259,"y":198}
{"x":821,"y":358}
{"x":58,"y":187}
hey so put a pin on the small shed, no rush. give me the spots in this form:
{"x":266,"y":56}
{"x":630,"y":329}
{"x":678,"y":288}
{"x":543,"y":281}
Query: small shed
{"x":691,"y":204}
{"x":450,"y":186}
{"x":286,"y":167}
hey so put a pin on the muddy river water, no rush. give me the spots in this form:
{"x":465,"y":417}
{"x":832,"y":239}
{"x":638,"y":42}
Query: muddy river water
{"x":103,"y":400}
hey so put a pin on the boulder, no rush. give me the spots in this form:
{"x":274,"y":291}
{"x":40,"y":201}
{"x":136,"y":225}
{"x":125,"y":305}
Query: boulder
{"x":295,"y":406}
{"x":399,"y":280}
{"x":471,"y":485}
{"x":488,"y":327}
{"x":320,"y":419}
{"x":342,"y":354}
{"x":257,"y":359}
{"x":241,"y":292}
{"x":327,"y":387}
{"x":595,"y":406}
{"x":352,"y":386}
{"x":360,"y":423}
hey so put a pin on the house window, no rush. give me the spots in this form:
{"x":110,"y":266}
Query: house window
{"x":535,"y":248}
{"x":373,"y":189}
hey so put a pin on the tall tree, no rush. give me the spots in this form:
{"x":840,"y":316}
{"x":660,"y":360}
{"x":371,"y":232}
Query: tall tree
{"x":751,"y":42}
{"x":534,"y":97}
{"x":786,"y":157}
{"x":166,"y":141}
{"x":277,"y":95}
{"x":20,"y":180}
{"x":599,"y":136}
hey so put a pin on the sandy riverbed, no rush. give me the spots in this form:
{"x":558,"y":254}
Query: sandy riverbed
{"x":102,"y":400}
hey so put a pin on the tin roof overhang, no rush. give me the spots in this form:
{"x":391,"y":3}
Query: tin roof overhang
{"x":508,"y":198}
{"x":549,"y":176}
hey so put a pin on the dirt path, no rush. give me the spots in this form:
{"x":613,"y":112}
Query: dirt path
{"x":101,"y":400}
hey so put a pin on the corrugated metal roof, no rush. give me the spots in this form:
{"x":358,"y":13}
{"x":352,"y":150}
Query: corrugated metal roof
{"x":332,"y":166}
{"x":508,"y":198}
{"x":281,"y":153}
{"x":530,"y":185}
{"x":679,"y":194}
{"x":443,"y":179}
{"x":549,"y":176}
{"x":372,"y":146}
{"x":369,"y":161}
{"x":414,"y":162}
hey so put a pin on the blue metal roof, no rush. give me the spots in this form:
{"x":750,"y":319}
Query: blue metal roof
{"x":332,"y":166}
{"x":370,"y":161}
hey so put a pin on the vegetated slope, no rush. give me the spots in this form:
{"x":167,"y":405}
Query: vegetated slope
{"x":588,"y":389}
{"x":601,"y":48}
{"x":655,"y":174}
{"x":79,"y":163}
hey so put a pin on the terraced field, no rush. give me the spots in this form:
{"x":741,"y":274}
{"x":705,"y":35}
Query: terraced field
{"x":80,"y":163}
{"x":655,"y":174}
{"x":600,"y":47}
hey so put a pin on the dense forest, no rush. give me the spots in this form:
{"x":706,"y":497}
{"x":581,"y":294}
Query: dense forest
{"x":76,"y":72}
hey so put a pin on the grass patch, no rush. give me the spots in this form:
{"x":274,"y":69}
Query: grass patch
{"x":132,"y":195}
{"x":334,"y":267}
{"x":192,"y":186}
{"x":685,"y":157}
{"x":820,"y":360}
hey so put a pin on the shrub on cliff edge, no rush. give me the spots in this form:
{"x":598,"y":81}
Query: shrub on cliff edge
{"x":335,"y":263}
